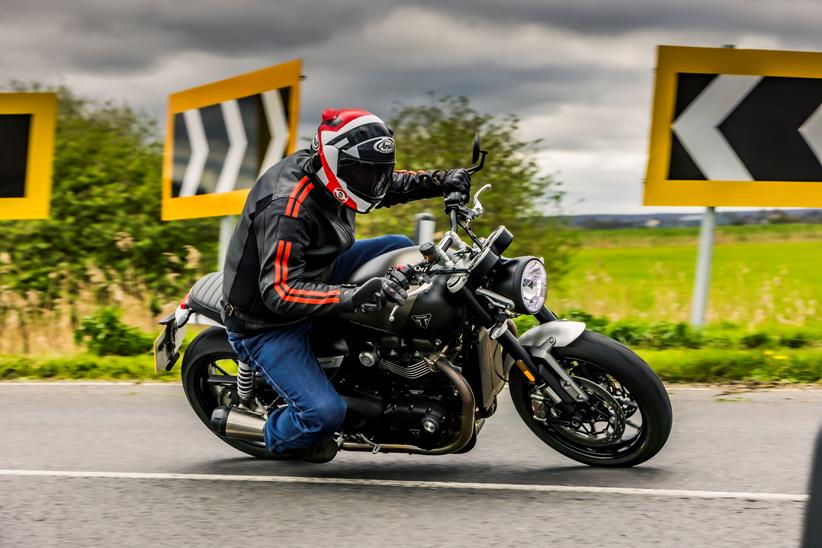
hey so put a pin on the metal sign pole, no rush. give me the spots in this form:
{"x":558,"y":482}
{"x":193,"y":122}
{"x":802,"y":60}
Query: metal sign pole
{"x":704,"y":259}
{"x":702,"y":281}
{"x":227,"y":224}
{"x":424,"y":227}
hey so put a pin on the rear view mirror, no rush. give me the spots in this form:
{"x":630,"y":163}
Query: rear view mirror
{"x":475,"y":153}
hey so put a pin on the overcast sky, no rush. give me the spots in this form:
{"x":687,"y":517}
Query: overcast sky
{"x":578,"y":72}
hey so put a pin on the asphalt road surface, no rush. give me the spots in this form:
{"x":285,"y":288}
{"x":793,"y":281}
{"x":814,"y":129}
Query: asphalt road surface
{"x":131,"y":465}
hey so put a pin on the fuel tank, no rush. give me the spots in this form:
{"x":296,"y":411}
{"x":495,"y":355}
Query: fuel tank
{"x":437,"y":313}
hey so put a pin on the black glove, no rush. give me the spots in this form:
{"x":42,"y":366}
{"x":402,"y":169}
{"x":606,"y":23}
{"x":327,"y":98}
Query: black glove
{"x":394,"y":285}
{"x":456,"y":181}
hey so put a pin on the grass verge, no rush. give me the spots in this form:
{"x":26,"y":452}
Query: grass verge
{"x":704,"y":365}
{"x":82,"y":367}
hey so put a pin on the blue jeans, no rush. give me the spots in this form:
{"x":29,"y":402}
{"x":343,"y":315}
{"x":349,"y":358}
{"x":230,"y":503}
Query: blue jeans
{"x":284,"y":358}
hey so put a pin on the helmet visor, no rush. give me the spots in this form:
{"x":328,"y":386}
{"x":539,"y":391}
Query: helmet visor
{"x":368,"y":180}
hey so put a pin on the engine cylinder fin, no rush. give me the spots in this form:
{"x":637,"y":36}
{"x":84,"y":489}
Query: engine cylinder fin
{"x":410,"y":371}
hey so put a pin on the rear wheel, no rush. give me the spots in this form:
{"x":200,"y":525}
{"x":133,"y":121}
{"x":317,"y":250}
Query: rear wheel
{"x":209,"y":376}
{"x":628,"y":416}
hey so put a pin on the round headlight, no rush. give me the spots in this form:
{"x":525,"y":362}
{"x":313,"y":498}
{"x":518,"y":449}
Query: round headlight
{"x":533,"y":285}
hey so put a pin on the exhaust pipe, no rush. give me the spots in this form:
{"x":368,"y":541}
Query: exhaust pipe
{"x":238,"y":424}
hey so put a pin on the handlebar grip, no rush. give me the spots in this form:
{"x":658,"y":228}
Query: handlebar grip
{"x":455,"y":197}
{"x":367,"y":290}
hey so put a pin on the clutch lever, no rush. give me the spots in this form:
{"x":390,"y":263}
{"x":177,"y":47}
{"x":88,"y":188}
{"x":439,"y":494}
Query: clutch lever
{"x":413,"y":293}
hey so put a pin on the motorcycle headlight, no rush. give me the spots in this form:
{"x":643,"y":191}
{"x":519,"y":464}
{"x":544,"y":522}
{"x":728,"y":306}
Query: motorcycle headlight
{"x":524,"y":281}
{"x":533,"y":285}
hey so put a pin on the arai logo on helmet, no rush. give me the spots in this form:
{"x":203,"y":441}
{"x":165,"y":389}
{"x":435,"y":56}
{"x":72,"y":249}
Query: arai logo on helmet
{"x":384,"y":145}
{"x":340,"y":195}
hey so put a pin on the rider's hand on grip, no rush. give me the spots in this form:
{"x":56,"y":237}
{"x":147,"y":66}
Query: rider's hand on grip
{"x":456,"y":186}
{"x":354,"y":298}
{"x":392,"y":290}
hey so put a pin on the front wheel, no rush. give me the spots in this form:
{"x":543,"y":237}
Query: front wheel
{"x":627,"y":419}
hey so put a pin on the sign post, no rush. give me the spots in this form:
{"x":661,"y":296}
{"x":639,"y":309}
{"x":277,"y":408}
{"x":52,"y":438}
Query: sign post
{"x":27,"y":123}
{"x":734,"y":127}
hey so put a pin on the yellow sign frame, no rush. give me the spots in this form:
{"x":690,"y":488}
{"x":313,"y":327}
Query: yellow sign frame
{"x":251,"y":83}
{"x":40,"y":158}
{"x":659,"y":190}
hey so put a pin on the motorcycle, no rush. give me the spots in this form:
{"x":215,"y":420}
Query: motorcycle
{"x":424,"y":376}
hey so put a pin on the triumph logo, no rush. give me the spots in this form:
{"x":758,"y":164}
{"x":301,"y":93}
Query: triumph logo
{"x":422,"y":320}
{"x":384,"y":145}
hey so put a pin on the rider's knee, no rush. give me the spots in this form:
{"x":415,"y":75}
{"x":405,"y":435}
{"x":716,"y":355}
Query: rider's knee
{"x":327,"y":416}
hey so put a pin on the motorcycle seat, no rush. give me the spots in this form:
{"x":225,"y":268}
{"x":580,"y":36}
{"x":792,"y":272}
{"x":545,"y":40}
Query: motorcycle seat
{"x":204,"y":298}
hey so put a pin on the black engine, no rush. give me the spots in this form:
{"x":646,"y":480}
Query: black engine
{"x":400,"y":401}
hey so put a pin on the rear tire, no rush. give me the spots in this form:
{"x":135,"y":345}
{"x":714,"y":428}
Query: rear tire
{"x":604,"y":355}
{"x":205,"y":350}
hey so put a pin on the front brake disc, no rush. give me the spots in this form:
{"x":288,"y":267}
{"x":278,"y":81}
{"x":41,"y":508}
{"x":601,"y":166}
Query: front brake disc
{"x":598,"y":423}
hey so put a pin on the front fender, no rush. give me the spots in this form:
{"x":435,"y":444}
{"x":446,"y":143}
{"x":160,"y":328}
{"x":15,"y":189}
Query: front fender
{"x":538,"y":340}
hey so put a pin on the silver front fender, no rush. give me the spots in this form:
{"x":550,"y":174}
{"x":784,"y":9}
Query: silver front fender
{"x":549,"y":335}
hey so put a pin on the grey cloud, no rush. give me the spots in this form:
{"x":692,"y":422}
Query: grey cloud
{"x":119,"y":37}
{"x":609,"y":17}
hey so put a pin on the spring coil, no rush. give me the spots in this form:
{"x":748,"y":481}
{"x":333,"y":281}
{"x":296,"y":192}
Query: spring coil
{"x":245,"y":381}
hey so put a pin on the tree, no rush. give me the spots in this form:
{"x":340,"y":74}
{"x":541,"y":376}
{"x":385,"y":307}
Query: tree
{"x":439,"y":135}
{"x":104,"y":236}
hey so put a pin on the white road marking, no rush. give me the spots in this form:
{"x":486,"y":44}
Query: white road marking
{"x":697,"y":127}
{"x":408,"y":484}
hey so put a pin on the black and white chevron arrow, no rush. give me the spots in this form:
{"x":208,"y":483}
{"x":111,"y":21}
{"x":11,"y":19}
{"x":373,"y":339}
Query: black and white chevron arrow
{"x":227,"y":146}
{"x":746,"y":128}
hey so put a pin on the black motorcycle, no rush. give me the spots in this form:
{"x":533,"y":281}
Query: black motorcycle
{"x":423,"y":377}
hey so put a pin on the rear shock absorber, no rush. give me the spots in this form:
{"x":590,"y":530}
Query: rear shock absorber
{"x":245,"y":381}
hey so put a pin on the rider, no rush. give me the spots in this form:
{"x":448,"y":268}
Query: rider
{"x":291,"y":253}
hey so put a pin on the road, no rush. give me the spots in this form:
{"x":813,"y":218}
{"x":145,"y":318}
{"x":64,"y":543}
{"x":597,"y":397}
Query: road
{"x":154,"y":476}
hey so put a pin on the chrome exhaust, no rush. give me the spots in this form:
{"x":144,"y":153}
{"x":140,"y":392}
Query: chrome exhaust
{"x":238,"y":424}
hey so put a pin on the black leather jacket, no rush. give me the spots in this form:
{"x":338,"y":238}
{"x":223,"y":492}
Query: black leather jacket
{"x":288,"y":236}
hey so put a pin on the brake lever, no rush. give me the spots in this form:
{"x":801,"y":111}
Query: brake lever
{"x":421,"y":289}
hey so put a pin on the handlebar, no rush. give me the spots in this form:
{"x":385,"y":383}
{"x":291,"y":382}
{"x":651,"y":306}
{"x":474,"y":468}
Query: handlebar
{"x":421,"y":289}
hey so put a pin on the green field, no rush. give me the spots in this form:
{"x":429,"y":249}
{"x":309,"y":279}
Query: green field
{"x":761,"y":275}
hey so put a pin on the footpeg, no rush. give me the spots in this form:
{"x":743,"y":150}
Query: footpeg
{"x":238,"y":424}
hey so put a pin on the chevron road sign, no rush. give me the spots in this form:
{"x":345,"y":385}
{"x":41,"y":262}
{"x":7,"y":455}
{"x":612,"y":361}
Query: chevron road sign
{"x":222,"y":136}
{"x":27,"y":122}
{"x":736,"y":127}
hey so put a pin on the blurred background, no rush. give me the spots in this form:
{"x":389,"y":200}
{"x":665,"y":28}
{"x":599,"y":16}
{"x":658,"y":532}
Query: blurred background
{"x":561,"y":92}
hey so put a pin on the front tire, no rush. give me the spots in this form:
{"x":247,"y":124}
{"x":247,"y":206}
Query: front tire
{"x":619,"y":377}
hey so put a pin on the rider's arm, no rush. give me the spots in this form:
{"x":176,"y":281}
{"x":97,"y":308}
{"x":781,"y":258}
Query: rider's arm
{"x":281,"y":239}
{"x":408,"y":186}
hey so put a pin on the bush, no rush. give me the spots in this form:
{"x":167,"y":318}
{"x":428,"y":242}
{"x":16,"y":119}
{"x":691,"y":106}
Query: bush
{"x":104,"y":333}
{"x":711,"y":365}
{"x":757,"y":339}
{"x":629,"y":332}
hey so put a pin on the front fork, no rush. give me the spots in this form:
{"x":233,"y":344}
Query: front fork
{"x":550,"y":377}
